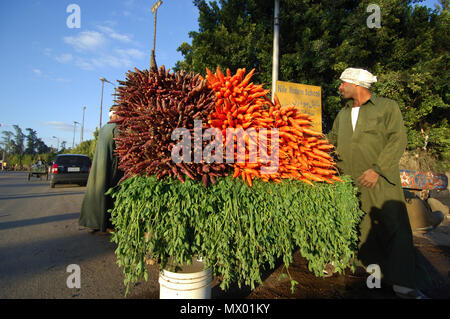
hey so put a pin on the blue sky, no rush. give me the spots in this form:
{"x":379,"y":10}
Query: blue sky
{"x":50,"y":71}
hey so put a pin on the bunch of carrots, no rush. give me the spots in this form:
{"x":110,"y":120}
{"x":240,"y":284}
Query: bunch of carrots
{"x":238,"y":101}
{"x":303,"y":153}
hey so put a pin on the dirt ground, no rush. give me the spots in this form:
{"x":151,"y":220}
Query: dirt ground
{"x":434,"y":246}
{"x":340,"y":286}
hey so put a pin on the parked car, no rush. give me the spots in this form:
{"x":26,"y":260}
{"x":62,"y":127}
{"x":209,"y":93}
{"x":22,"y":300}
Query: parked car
{"x":70,"y":169}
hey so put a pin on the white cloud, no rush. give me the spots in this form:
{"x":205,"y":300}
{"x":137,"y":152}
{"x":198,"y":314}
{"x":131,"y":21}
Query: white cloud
{"x":130,"y":53}
{"x":102,"y":61}
{"x":100,"y":49}
{"x":62,"y":80}
{"x":62,"y":126}
{"x":48,"y":51}
{"x":108,"y":61}
{"x":64,"y":58}
{"x":87,"y":41}
{"x":83,"y":64}
{"x":120,"y":37}
{"x":114,"y":35}
{"x":50,"y":76}
{"x":105,"y":29}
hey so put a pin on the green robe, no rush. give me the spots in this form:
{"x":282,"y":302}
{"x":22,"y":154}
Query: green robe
{"x":104,"y":174}
{"x":378,"y":142}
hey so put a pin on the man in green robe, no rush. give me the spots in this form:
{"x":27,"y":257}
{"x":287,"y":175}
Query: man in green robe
{"x":370,"y":138}
{"x":103,"y":175}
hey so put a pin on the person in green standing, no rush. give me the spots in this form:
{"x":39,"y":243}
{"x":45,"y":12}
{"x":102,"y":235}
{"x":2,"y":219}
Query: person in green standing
{"x":103,"y":175}
{"x":370,"y":138}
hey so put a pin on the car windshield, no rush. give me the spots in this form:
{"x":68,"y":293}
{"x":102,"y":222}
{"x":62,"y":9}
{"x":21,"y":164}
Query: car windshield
{"x":73,"y":160}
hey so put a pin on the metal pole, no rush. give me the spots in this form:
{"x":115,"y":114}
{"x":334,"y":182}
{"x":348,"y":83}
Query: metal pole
{"x":74,"y":126}
{"x":276,"y":35}
{"x":82,"y":126}
{"x":101,"y":103}
{"x":152,"y":55}
{"x":154,"y":32}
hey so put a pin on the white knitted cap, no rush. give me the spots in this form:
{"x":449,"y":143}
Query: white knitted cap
{"x":359,"y":77}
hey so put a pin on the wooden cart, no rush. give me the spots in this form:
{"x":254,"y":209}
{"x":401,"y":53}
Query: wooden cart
{"x":38,"y":170}
{"x":421,"y":183}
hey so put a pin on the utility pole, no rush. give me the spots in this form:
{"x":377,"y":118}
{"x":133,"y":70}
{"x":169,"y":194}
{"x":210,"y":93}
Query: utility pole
{"x":74,"y":126}
{"x":152,"y":56}
{"x":276,"y":36}
{"x":101,"y":102}
{"x":82,"y":126}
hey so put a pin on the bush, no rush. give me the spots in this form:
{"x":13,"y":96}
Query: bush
{"x":24,"y":162}
{"x":85,"y":148}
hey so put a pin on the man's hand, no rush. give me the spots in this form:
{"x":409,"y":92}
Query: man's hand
{"x":369,"y":178}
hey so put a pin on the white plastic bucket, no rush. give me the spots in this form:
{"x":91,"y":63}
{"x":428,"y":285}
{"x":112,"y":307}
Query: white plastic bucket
{"x":191,"y":282}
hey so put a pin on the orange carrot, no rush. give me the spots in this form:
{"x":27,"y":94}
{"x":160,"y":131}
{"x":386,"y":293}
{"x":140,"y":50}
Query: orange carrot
{"x":246,"y":79}
{"x":236,"y":172}
{"x":334,"y":177}
{"x":310,"y":131}
{"x":249,"y":180}
{"x":321,"y":153}
{"x":313,"y":177}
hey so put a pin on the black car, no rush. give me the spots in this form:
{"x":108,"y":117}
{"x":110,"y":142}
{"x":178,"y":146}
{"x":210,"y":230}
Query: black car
{"x":70,"y":169}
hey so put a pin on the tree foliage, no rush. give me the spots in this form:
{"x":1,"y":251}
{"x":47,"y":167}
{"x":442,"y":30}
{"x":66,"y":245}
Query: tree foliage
{"x":86,"y":147}
{"x":21,"y":150}
{"x":319,"y":39}
{"x":34,"y":144}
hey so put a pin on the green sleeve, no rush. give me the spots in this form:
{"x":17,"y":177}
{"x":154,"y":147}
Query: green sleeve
{"x":396,"y":140}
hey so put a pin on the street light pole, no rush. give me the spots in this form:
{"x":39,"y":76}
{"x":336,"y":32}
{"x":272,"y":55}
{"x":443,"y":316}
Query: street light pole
{"x":101,"y":102}
{"x":74,"y":126}
{"x":152,"y":56}
{"x":82,"y":126}
{"x":276,"y":36}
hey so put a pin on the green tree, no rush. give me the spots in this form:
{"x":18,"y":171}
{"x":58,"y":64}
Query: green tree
{"x":41,"y":147}
{"x":7,"y":140}
{"x":6,"y":145}
{"x":18,"y":143}
{"x":318,"y":40}
{"x":86,"y":147}
{"x":62,"y":147}
{"x":31,"y":138}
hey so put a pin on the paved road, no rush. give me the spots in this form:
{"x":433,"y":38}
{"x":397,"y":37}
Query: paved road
{"x":40,"y":237}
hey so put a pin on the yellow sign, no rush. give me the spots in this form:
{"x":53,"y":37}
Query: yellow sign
{"x":307,"y":98}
